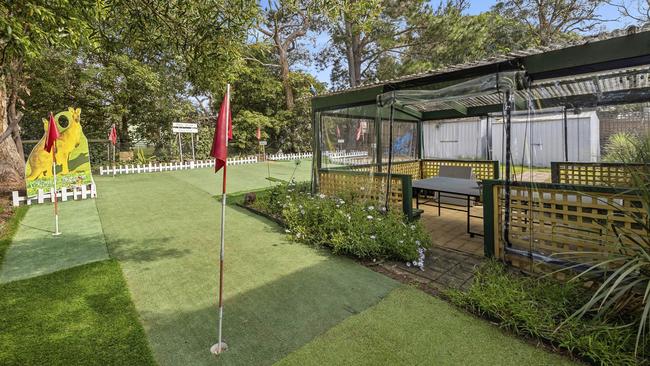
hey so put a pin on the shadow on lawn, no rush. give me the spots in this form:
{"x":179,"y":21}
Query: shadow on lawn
{"x":273,"y":227}
{"x":156,"y":249}
{"x":31,"y":257}
{"x":266,"y":323}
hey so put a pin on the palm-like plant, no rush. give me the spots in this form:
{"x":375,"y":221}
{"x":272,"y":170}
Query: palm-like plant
{"x":622,"y":277}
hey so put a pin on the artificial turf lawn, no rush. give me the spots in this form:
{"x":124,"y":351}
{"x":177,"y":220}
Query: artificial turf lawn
{"x":9,"y":228}
{"x":410,"y":327}
{"x":278,"y":295}
{"x":34,"y":251}
{"x":245,"y":177}
{"x":79,"y":316}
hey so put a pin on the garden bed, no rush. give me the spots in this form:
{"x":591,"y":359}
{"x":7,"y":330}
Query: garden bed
{"x":345,"y":224}
{"x":541,"y":308}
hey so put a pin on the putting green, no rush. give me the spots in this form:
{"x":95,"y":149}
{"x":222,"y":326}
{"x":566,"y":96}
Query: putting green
{"x":245,"y":177}
{"x":410,"y":327}
{"x":164,"y":231}
{"x":35,"y":251}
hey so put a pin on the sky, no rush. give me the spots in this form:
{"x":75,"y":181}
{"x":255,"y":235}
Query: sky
{"x":476,"y":7}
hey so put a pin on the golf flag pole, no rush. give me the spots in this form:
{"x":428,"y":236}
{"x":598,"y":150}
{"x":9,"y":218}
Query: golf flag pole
{"x":222,"y":134}
{"x":56,"y":205}
{"x":50,"y":146}
{"x":112,"y":136}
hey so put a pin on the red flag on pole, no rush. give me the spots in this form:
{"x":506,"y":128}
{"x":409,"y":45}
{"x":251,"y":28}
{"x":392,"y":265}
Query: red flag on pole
{"x":222,"y":133}
{"x":258,"y":134}
{"x":113,"y":135}
{"x":50,"y":146}
{"x":52,"y":134}
{"x":359,"y":132}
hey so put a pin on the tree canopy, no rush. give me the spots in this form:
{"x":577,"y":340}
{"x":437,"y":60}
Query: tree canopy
{"x":143,"y":64}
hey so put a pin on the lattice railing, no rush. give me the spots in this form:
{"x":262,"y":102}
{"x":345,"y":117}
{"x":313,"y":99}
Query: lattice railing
{"x":595,"y":174}
{"x":482,"y":169}
{"x":370,"y":187}
{"x":411,"y":168}
{"x":547,"y":219}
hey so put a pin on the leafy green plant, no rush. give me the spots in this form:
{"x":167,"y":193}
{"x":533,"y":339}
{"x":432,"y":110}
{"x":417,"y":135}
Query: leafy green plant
{"x":537,"y":306}
{"x":360,"y":229}
{"x":141,"y":158}
{"x":622,"y":277}
{"x":622,"y":147}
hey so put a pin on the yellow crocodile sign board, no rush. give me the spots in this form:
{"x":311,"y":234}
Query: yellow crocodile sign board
{"x":72,"y":156}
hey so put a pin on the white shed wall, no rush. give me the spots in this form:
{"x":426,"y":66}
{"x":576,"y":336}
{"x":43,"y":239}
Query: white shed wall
{"x":456,"y":139}
{"x":546,"y":136}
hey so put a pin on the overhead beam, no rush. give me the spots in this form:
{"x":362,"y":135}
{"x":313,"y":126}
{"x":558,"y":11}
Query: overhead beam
{"x":639,"y":95}
{"x":613,"y":53}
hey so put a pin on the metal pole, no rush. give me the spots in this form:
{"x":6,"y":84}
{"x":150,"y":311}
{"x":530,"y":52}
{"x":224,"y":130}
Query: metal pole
{"x":114,"y":160}
{"x":56,"y":206}
{"x":390,"y":154}
{"x":506,"y":226}
{"x":223,"y":224}
{"x":566,"y":137}
{"x":192,"y":136}
{"x":180,"y":146}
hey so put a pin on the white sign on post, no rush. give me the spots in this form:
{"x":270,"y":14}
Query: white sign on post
{"x":185,"y":130}
{"x":179,"y":128}
{"x":263,"y":143}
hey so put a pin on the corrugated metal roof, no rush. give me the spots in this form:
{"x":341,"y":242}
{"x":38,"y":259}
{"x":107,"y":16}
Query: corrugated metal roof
{"x":497,"y":59}
{"x":594,"y":86}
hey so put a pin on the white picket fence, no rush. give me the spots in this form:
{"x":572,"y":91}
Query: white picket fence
{"x":64,"y":194}
{"x":289,"y":156}
{"x":166,"y":167}
{"x":348,"y":157}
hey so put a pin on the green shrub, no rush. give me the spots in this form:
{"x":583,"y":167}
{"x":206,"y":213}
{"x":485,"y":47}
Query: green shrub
{"x":622,"y":147}
{"x":537,"y":307}
{"x":360,"y":229}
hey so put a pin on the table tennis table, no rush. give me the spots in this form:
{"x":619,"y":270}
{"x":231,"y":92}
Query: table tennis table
{"x":449,"y":188}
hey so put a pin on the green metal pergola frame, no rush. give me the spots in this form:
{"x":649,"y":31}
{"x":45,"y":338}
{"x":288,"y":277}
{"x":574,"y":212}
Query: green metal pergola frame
{"x":590,"y":57}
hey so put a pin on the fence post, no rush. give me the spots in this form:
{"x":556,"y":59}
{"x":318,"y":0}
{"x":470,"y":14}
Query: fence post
{"x":15,"y":198}
{"x":489,"y":218}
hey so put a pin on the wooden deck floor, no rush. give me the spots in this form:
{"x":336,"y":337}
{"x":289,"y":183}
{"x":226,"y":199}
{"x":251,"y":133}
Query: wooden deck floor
{"x":449,"y":230}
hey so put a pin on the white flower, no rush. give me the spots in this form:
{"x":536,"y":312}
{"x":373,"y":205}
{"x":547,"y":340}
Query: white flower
{"x":369,"y":217}
{"x":362,"y":188}
{"x":401,"y":241}
{"x":321,"y":195}
{"x":370,"y":208}
{"x":287,"y":231}
{"x":373,"y":237}
{"x":417,"y":242}
{"x":408,"y":264}
{"x":298,"y":235}
{"x":415,"y":263}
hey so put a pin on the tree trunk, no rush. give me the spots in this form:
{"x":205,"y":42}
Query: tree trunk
{"x":284,"y":74}
{"x":350,"y":48}
{"x":125,"y":141}
{"x":12,"y":164}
